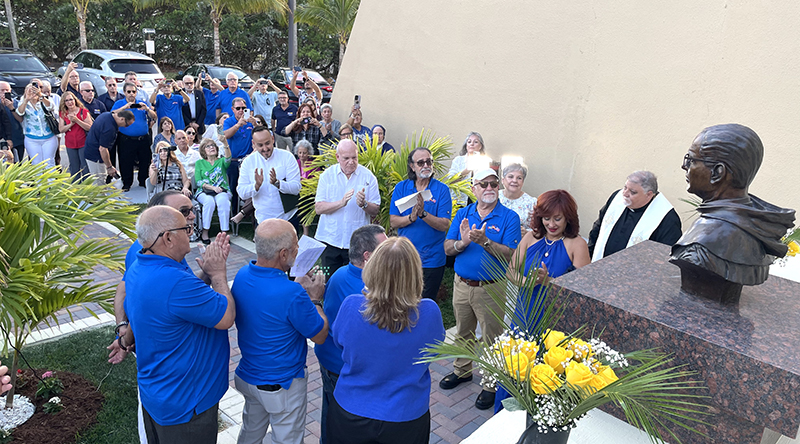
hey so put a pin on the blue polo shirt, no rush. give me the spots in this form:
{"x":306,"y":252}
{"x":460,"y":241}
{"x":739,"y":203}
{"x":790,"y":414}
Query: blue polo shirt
{"x":102,"y":133}
{"x":130,"y":257}
{"x":344,"y":282}
{"x":212,"y":100}
{"x":283,"y":117}
{"x":95,"y":108}
{"x":429,"y":241}
{"x":502,"y":226}
{"x":274,"y":316}
{"x":182,"y":359}
{"x":171,"y":108}
{"x":226,"y":100}
{"x":241,"y":144}
{"x":139,"y":125}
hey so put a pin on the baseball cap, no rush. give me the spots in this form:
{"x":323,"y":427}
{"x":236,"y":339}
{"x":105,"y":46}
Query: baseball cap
{"x":483,"y":174}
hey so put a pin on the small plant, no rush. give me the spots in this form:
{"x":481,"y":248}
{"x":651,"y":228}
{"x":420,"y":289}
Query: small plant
{"x":53,"y":406}
{"x":5,"y":436}
{"x":49,"y":386}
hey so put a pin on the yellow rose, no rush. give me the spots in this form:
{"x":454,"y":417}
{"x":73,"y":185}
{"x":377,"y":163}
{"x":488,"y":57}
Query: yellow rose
{"x":530,"y":349}
{"x":542,"y":377}
{"x":556,"y":356}
{"x":604,"y":377}
{"x":581,"y":348}
{"x":517,"y":362}
{"x":553,"y":338}
{"x":794,"y":248}
{"x":578,"y":374}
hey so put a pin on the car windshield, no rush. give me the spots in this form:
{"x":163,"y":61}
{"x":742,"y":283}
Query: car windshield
{"x":21,"y":63}
{"x":222,"y":72}
{"x":137,"y":66}
{"x":318,"y":79}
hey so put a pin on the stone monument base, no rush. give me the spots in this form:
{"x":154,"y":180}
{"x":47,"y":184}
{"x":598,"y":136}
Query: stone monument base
{"x":747,"y":353}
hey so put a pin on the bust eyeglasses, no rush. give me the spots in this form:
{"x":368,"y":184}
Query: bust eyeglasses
{"x":188,"y":229}
{"x":687,"y":161}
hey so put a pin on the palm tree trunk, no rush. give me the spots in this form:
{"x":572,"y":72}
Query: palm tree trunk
{"x":12,"y":29}
{"x":13,"y":374}
{"x":82,"y":28}
{"x":342,"y":47}
{"x":215,"y":19}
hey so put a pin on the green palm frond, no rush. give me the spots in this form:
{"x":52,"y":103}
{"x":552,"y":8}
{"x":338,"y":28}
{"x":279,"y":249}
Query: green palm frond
{"x":334,"y":17}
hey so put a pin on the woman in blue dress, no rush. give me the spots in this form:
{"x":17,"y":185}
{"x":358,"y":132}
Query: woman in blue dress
{"x":555,"y":246}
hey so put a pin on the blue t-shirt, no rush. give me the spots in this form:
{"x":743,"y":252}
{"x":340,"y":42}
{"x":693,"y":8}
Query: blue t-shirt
{"x":182,"y":359}
{"x":380,"y":378}
{"x":241,"y":144}
{"x":226,"y":100}
{"x":17,"y":136}
{"x":429,"y":241}
{"x":139,"y":125}
{"x":102,"y":133}
{"x":344,"y":282}
{"x":212,"y":100}
{"x":283,"y":117}
{"x":502,"y":226}
{"x":170,"y":107}
{"x":274,"y":316}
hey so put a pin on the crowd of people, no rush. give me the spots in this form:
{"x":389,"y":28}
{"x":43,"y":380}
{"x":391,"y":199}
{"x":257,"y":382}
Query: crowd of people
{"x":219,"y":145}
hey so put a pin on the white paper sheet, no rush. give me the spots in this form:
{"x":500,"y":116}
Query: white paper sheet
{"x":309,"y":252}
{"x":411,"y":200}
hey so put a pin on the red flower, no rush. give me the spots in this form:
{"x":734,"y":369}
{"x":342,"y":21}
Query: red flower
{"x":19,"y":371}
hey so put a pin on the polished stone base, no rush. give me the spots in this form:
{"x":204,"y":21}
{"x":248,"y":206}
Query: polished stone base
{"x":747,"y":353}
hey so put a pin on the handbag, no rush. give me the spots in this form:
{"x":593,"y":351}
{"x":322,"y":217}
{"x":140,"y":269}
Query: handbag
{"x":52,"y":123}
{"x":212,"y":192}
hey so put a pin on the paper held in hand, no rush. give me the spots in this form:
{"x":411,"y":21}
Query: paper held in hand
{"x":309,"y":252}
{"x":409,"y":201}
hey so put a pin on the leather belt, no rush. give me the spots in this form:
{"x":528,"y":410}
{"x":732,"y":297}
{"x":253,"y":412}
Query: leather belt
{"x":135,"y":137}
{"x":269,"y":387}
{"x":472,"y":283}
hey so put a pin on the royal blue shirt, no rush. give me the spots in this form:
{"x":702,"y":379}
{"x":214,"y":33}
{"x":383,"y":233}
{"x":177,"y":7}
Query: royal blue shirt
{"x":283,"y":117}
{"x":274,"y":316}
{"x":139,"y":125}
{"x":182,"y":359}
{"x":130,"y":257}
{"x":102,"y":133}
{"x":502,"y":226}
{"x":212,"y":100}
{"x":226,"y":100}
{"x":429,"y":241}
{"x":171,"y":108}
{"x":344,"y":282}
{"x":241,"y":144}
{"x":381,"y":378}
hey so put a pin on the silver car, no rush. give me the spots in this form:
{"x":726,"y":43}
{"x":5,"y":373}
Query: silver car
{"x":100,"y":64}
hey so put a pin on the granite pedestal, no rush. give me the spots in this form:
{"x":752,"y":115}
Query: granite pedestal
{"x":748,"y":353}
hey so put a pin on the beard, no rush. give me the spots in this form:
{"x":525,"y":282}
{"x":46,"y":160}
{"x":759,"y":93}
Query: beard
{"x":489,"y":199}
{"x":425,"y":175}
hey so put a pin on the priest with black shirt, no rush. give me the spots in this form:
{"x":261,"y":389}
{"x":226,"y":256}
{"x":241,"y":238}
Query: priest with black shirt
{"x":634,"y":214}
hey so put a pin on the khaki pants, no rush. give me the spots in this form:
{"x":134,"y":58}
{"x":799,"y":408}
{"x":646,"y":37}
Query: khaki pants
{"x":98,"y":170}
{"x":473,"y":305}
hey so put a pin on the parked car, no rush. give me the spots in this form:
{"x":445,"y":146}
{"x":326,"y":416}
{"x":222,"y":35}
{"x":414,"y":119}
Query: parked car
{"x":19,"y":66}
{"x":100,"y":64}
{"x":219,"y":72}
{"x":282,"y":78}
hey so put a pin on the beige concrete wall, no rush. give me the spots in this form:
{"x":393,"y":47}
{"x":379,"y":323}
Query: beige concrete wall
{"x":587,"y":91}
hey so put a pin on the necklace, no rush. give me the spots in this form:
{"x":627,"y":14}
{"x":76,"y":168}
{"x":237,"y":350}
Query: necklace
{"x":550,"y":245}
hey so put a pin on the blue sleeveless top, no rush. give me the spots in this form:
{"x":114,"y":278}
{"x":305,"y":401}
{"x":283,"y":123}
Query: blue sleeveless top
{"x":557,"y":261}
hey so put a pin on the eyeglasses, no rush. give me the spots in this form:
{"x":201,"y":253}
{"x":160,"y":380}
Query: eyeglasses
{"x":488,"y":184}
{"x":425,"y":162}
{"x":345,"y":134}
{"x":191,"y":133}
{"x":188,"y":229}
{"x":239,"y":108}
{"x":687,"y":161}
{"x":186,"y":211}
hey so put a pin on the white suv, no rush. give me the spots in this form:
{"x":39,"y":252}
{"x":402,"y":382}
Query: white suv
{"x":112,"y":63}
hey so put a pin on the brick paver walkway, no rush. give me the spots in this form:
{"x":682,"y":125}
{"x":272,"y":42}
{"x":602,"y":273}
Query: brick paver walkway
{"x":453,"y":413}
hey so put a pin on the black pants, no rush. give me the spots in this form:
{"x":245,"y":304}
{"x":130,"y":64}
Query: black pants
{"x":133,"y":150}
{"x":432,"y":280}
{"x":233,"y":181}
{"x":201,"y":429}
{"x":346,"y":428}
{"x":334,"y":258}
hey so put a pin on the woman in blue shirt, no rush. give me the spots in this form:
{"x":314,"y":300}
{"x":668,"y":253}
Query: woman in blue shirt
{"x":382,"y":394}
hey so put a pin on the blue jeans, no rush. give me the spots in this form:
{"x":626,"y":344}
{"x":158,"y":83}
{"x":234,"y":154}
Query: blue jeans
{"x":328,"y":385}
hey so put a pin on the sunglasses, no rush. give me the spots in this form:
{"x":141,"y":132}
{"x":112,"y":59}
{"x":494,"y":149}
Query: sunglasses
{"x":87,"y":90}
{"x":489,"y":184}
{"x":191,"y":133}
{"x":239,"y":108}
{"x":130,"y":92}
{"x":425,"y":162}
{"x":186,"y":211}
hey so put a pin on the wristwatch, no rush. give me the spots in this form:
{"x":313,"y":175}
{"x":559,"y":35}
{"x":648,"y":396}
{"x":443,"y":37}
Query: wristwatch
{"x":423,"y":215}
{"x":317,"y":303}
{"x":486,"y":244}
{"x":121,"y":324}
{"x":364,"y":207}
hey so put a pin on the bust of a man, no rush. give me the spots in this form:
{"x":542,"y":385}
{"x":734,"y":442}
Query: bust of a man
{"x":737,"y":235}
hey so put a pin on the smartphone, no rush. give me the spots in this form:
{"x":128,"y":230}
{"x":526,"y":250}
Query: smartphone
{"x":80,"y":66}
{"x":246,"y":114}
{"x":202,"y":76}
{"x":136,"y":105}
{"x":298,"y":69}
{"x":357,"y":102}
{"x":155,"y":159}
{"x":8,"y":95}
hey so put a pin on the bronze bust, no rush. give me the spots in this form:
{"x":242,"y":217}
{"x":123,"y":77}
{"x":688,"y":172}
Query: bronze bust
{"x":737,"y":235}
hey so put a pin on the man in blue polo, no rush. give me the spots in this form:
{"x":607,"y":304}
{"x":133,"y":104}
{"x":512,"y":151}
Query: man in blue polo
{"x":134,"y":140}
{"x":283,"y":114}
{"x":211,"y":95}
{"x":481,"y":234}
{"x":426,"y":224}
{"x":101,"y":137}
{"x":344,"y":282}
{"x":239,"y":132}
{"x":232,"y":92}
{"x":180,"y":325}
{"x":275,"y":317}
{"x":170,"y":102}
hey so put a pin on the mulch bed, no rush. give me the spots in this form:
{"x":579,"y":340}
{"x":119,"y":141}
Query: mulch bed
{"x":81,"y":401}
